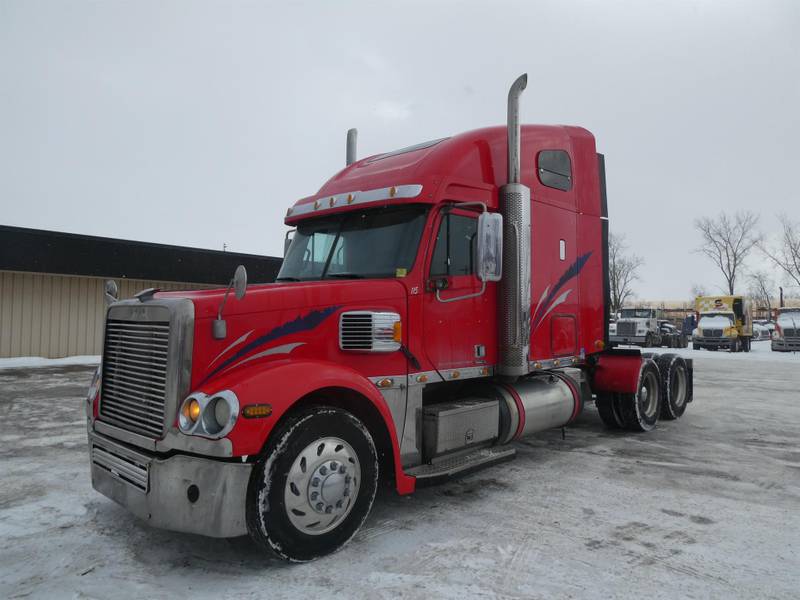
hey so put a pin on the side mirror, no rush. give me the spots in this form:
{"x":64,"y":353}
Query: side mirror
{"x":111,"y":292}
{"x":287,"y":241}
{"x":240,"y":282}
{"x":489,"y":259}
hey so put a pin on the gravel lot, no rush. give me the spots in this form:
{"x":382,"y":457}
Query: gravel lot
{"x":705,"y":507}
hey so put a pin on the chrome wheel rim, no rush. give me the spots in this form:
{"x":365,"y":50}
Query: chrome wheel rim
{"x":322,"y":485}
{"x":648,"y":395}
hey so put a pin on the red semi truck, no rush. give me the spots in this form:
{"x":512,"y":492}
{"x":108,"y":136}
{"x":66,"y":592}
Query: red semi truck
{"x":435,"y":304}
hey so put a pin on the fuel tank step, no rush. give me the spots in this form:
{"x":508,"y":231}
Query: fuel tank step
{"x":462,"y":464}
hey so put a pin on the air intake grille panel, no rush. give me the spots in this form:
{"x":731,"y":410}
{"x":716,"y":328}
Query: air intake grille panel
{"x":368,"y":331}
{"x":626,"y":328}
{"x":135,"y":375}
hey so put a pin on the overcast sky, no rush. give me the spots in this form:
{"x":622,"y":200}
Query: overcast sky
{"x":199,"y":123}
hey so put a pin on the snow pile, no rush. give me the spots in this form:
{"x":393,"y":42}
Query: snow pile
{"x":27,"y":362}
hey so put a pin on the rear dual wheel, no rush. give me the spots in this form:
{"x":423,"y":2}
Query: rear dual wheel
{"x":636,"y":412}
{"x":640,"y":411}
{"x":675,"y":387}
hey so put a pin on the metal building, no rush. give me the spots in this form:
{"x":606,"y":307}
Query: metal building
{"x":52,"y":284}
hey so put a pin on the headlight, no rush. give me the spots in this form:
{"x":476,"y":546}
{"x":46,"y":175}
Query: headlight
{"x":209,"y":416}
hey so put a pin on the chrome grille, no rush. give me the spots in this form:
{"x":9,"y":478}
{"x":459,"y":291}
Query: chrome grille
{"x":368,"y":331}
{"x":135,"y":375}
{"x":624,"y":328}
{"x":122,"y":466}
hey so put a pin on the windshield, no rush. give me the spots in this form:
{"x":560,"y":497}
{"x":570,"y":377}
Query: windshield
{"x":636,"y":313}
{"x":378,"y":242}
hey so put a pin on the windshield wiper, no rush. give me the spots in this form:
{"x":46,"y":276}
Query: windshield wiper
{"x":345,"y":275}
{"x":288,"y":279}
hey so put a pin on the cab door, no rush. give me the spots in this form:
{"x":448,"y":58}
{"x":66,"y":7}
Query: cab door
{"x":459,"y":332}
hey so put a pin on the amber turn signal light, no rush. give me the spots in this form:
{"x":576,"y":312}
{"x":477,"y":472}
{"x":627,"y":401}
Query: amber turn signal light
{"x":257,"y":411}
{"x":191,"y":410}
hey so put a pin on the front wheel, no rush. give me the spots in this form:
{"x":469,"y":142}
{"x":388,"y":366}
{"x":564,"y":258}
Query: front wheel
{"x":314,"y":486}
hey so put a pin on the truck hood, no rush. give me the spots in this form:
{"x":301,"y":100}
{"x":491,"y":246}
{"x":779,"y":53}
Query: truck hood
{"x":288,"y":295}
{"x":279,"y":321}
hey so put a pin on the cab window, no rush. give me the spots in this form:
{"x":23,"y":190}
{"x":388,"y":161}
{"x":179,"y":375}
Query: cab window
{"x":454,"y":251}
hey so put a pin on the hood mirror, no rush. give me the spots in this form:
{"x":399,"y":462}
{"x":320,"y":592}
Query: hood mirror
{"x":240,"y":282}
{"x":219,"y":327}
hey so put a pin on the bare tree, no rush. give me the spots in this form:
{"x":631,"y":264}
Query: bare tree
{"x":761,"y":287}
{"x":698,"y":289}
{"x":727,"y":241}
{"x":786,"y":254}
{"x":622,"y":270}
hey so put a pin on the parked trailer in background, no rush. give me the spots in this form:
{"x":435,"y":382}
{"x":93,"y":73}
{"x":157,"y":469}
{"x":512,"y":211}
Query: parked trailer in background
{"x":724,"y":322}
{"x":436,"y":304}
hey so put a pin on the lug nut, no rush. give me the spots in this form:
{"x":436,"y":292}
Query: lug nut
{"x":314,"y":495}
{"x":339,"y":504}
{"x":346,"y":492}
{"x":315,"y":482}
{"x":347,"y":479}
{"x":342,"y":469}
{"x":323,"y":470}
{"x":328,"y":509}
{"x":334,"y":465}
{"x":320,"y":506}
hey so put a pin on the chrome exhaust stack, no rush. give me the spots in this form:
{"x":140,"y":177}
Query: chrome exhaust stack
{"x":515,"y":288}
{"x":352,"y":138}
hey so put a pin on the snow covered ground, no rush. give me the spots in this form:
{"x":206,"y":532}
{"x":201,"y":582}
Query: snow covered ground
{"x":22,"y":362}
{"x":705,"y":507}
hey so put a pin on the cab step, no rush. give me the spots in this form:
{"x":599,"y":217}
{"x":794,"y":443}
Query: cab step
{"x":447,"y":468}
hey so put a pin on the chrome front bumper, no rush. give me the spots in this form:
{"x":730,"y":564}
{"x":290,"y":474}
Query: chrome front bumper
{"x":627,"y":339}
{"x":162,"y":491}
{"x":717,"y":342}
{"x":786,"y":345}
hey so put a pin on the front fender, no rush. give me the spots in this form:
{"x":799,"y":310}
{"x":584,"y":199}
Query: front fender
{"x":281,"y":385}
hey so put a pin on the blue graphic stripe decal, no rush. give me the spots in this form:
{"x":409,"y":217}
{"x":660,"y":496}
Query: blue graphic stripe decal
{"x":571,"y":272}
{"x":302,"y":323}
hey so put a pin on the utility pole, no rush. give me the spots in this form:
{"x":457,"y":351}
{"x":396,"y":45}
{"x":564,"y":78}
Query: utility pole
{"x":781,"y":303}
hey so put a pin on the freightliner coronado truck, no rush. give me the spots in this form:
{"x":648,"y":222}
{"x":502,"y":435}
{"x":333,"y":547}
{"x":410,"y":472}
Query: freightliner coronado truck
{"x":435,"y":304}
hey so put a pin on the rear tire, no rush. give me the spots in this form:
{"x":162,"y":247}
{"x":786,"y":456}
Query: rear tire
{"x":314,"y":486}
{"x":640,"y":411}
{"x":674,"y":385}
{"x":607,"y":408}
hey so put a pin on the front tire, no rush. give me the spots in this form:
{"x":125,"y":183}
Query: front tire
{"x":640,"y":411}
{"x":314,"y":486}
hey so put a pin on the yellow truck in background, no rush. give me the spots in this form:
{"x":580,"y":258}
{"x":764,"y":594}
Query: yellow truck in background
{"x":723,"y":322}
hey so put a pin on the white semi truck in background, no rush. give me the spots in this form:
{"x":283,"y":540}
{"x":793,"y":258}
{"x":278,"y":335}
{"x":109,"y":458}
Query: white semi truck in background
{"x":786,"y":337}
